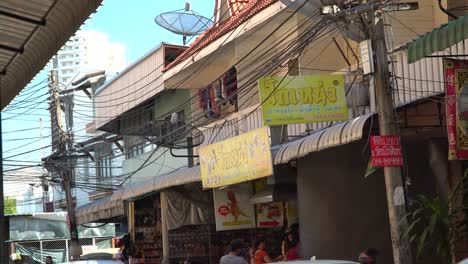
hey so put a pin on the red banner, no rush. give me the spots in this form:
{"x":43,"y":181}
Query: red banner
{"x":386,"y":151}
{"x":456,"y":77}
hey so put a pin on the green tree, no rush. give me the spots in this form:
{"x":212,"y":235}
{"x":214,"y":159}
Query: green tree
{"x":436,"y":226}
{"x":10,"y":205}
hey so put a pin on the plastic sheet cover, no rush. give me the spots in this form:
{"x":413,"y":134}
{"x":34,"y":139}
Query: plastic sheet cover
{"x":53,"y":226}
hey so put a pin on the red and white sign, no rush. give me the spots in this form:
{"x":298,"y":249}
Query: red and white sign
{"x":456,"y":89}
{"x":386,"y":151}
{"x":270,"y":214}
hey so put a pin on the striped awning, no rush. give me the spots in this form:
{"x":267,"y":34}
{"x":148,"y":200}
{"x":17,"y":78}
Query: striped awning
{"x":438,"y":39}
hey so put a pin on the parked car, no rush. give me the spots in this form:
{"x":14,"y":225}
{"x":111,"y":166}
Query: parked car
{"x":319,"y":262}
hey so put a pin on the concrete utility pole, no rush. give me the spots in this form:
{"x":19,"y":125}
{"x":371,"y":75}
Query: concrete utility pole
{"x":388,"y":126}
{"x":63,"y":161}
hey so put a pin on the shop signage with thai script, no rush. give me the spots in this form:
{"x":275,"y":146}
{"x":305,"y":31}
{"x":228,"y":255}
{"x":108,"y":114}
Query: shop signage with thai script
{"x":232,"y":207}
{"x":270,"y":214}
{"x":386,"y":151}
{"x":303,"y":99}
{"x":456,"y":85}
{"x":238,"y":159}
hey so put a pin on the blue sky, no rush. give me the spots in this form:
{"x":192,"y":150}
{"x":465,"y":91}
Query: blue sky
{"x":132,"y":22}
{"x":128,"y":22}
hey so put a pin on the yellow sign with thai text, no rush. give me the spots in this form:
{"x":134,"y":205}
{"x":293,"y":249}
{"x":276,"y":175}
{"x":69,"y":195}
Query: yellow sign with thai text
{"x":303,"y":99}
{"x":238,"y":159}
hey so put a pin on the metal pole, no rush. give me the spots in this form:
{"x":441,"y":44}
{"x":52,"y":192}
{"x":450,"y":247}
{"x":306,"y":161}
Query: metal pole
{"x":388,"y":126}
{"x":67,"y":255}
{"x":164,"y":230}
{"x":4,"y":228}
{"x":42,"y":254}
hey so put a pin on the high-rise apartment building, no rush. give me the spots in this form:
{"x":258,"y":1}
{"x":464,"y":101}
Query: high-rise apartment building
{"x":88,"y":51}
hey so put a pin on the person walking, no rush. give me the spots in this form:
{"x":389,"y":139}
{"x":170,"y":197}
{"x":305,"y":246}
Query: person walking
{"x":261,"y":256}
{"x":232,"y":257}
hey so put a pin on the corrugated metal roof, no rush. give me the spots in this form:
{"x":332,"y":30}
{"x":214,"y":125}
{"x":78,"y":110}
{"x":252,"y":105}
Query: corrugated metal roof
{"x":337,"y":135}
{"x":113,"y":206}
{"x":31,"y":32}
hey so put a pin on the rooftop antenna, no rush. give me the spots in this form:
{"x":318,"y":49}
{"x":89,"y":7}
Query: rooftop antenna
{"x":185,"y":22}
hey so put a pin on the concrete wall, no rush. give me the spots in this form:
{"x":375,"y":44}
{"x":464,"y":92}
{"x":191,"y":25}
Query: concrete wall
{"x":340,"y":212}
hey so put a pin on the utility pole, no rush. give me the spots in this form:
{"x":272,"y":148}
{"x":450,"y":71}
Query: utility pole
{"x":388,"y":126}
{"x":63,"y":161}
{"x":4,"y":224}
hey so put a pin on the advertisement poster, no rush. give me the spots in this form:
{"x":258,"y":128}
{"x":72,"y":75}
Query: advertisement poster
{"x":270,"y":214}
{"x":386,"y":151}
{"x":303,"y":99}
{"x":232,"y":207}
{"x":237,"y":159}
{"x":456,"y":85}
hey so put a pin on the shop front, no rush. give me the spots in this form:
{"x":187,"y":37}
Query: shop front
{"x":191,"y":217}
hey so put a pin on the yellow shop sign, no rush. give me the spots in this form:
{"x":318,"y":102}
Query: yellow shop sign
{"x":237,"y":159}
{"x":303,"y":99}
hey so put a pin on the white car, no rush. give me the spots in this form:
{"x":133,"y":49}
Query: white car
{"x":319,"y":262}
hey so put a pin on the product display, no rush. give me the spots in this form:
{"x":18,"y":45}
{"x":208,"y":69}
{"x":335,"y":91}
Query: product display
{"x":148,"y":231}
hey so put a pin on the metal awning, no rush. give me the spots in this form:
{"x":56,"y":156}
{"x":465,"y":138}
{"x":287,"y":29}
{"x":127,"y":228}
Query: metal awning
{"x":113,"y":206}
{"x":31,"y":32}
{"x":339,"y":134}
{"x":183,"y":176}
{"x":439,"y":39}
{"x":103,"y":209}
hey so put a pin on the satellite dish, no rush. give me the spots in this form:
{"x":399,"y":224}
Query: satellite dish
{"x":185,"y":22}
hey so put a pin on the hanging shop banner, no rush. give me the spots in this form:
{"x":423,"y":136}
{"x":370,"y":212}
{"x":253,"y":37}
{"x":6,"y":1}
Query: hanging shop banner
{"x":386,"y":151}
{"x":232,"y":208}
{"x":456,"y":85}
{"x":303,"y":99}
{"x":270,"y":214}
{"x":238,"y":159}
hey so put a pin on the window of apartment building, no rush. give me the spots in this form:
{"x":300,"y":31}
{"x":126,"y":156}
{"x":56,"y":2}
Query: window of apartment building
{"x":77,"y":55}
{"x":77,"y":63}
{"x":104,"y":169}
{"x":135,"y":146}
{"x":214,"y":97}
{"x":77,"y":47}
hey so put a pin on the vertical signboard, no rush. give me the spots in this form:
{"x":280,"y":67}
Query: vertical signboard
{"x":456,"y":85}
{"x":386,"y":151}
{"x":232,"y":208}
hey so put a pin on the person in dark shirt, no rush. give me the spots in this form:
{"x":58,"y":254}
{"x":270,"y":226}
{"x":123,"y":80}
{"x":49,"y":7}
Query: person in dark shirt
{"x":235,"y":248}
